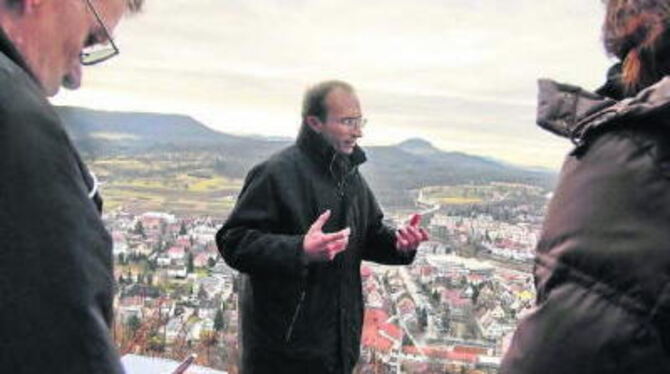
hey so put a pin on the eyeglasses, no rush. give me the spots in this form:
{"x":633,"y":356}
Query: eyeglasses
{"x":96,"y":185}
{"x":353,"y":122}
{"x":97,"y":52}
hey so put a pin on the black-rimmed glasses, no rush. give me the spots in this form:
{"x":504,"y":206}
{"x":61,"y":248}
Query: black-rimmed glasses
{"x":97,"y":52}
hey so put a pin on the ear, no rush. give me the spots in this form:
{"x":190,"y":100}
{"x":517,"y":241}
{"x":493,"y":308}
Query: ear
{"x":315,"y":123}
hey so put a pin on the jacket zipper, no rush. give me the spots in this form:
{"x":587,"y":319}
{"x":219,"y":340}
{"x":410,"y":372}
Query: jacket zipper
{"x":342,"y":181}
{"x":289,"y":332}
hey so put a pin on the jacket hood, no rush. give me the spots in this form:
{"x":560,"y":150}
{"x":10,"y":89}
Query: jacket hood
{"x":572,"y":112}
{"x":316,"y":145}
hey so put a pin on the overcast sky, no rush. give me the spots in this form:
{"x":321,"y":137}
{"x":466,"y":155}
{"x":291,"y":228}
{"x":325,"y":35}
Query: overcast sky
{"x":459,"y":73}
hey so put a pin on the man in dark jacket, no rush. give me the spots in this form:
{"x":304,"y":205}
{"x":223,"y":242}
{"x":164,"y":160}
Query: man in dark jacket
{"x":301,"y":301}
{"x":56,"y":276}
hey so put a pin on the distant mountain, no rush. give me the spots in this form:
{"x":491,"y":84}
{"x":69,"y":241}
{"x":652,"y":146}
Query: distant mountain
{"x":391,"y":170}
{"x":418,"y":147}
{"x":416,"y":163}
{"x":103,"y":133}
{"x":163,"y":128}
{"x":132,"y":131}
{"x":423,"y":148}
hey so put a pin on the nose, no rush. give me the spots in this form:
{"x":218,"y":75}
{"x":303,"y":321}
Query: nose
{"x":358,"y":131}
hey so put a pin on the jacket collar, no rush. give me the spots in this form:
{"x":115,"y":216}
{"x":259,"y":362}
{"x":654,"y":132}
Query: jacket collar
{"x":317,"y":147}
{"x":8,"y":49}
{"x":572,"y":112}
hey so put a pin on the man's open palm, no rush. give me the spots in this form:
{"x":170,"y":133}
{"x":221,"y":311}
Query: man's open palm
{"x":322,"y":247}
{"x":410,"y":236}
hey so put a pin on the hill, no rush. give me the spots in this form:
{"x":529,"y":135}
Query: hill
{"x":393,"y":171}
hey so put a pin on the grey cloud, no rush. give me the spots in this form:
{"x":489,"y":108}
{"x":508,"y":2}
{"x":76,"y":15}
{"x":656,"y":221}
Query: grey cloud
{"x":469,"y":66}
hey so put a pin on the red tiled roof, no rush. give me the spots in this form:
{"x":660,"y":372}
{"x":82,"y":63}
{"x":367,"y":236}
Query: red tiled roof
{"x":463,"y":357}
{"x":441,"y":352}
{"x":471,"y":350}
{"x":185,"y":242}
{"x":374,"y":324}
{"x":176,"y":250}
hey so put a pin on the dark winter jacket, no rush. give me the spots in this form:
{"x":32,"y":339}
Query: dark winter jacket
{"x":299,"y":318}
{"x":602,"y":268}
{"x":56,"y":282}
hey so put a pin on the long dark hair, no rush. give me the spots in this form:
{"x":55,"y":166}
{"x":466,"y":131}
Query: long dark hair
{"x":636,"y":32}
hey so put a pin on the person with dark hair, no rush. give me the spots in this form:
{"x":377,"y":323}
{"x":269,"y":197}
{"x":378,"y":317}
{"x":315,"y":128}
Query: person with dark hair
{"x":602,"y":268}
{"x":56,"y":278}
{"x":304,"y":221}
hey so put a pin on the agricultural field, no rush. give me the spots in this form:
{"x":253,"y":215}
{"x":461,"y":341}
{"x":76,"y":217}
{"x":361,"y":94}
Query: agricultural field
{"x":477,"y":194}
{"x":188,"y":186}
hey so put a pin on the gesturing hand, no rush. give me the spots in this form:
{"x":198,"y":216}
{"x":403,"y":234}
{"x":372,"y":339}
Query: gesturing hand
{"x":410,"y":236}
{"x":322,"y":247}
